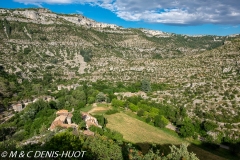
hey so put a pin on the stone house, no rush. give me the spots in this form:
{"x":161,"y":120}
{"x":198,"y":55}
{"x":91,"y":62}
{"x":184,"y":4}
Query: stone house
{"x":17,"y":107}
{"x":63,"y":119}
{"x":90,"y":120}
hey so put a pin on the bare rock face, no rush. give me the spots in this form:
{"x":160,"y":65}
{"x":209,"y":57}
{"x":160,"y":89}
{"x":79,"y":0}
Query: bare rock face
{"x":3,"y":11}
{"x":152,"y":33}
{"x":31,"y":14}
{"x":44,"y":16}
{"x":81,"y":20}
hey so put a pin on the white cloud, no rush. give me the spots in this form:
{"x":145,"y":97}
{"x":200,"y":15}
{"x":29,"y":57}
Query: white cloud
{"x":178,"y":12}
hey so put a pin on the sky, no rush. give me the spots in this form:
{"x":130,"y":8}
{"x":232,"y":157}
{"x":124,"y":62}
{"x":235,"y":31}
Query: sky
{"x":190,"y":17}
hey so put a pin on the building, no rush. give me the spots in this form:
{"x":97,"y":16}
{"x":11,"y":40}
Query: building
{"x":17,"y":107}
{"x":90,"y":120}
{"x":63,"y":119}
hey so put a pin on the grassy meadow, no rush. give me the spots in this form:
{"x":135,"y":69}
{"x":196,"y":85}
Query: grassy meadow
{"x":142,"y":134}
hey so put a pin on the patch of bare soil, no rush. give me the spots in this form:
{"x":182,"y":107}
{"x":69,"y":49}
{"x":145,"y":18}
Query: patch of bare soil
{"x":97,"y":109}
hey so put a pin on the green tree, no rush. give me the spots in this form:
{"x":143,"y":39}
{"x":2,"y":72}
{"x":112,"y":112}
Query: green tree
{"x":101,"y":120}
{"x":103,"y":148}
{"x":82,"y":125}
{"x":67,"y":140}
{"x":145,"y":86}
{"x":91,"y":100}
{"x":208,"y":125}
{"x":181,"y":153}
{"x":148,"y":119}
{"x":187,"y":129}
{"x":160,"y":121}
{"x":80,"y":96}
{"x":87,"y":55}
{"x":153,"y":112}
{"x":140,"y":112}
{"x":117,"y":103}
{"x":176,"y":153}
{"x":26,"y":50}
{"x":133,"y":107}
{"x":100,"y":97}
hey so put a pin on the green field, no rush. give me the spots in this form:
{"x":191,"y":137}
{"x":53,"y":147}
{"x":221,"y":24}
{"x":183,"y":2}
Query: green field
{"x":138,"y":132}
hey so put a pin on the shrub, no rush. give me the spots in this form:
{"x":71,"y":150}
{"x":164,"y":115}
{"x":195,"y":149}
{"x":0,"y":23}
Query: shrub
{"x":148,"y":119}
{"x":160,"y":121}
{"x":140,"y":113}
{"x":26,"y":50}
{"x":87,"y":55}
{"x":208,"y":125}
{"x":112,"y":111}
{"x":101,"y":120}
{"x":117,"y":103}
{"x":133,"y":107}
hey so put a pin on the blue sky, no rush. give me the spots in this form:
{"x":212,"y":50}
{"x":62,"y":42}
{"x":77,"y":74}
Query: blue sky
{"x":192,"y":17}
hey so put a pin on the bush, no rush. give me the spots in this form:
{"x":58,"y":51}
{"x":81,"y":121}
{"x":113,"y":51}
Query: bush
{"x":140,"y":113}
{"x":117,"y":136}
{"x":26,"y":50}
{"x":187,"y":129}
{"x":148,"y":119}
{"x":43,"y":38}
{"x":145,"y":86}
{"x":101,"y":120}
{"x":96,"y":130}
{"x":133,"y":107}
{"x":117,"y":103}
{"x":112,"y":111}
{"x":87,"y":55}
{"x":100,"y":97}
{"x":91,"y":100}
{"x":208,"y":125}
{"x":160,"y":121}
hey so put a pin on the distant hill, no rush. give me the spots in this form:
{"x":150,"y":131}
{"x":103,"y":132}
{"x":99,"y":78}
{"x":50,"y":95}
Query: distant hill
{"x":34,"y":41}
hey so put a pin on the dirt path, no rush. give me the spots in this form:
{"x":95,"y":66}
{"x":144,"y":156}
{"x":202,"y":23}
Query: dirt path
{"x":83,"y":64}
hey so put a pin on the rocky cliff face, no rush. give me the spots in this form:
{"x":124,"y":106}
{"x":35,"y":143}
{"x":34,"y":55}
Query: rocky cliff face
{"x":44,"y":16}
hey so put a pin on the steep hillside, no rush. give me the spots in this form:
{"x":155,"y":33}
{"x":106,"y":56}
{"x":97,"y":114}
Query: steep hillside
{"x":36,"y":41}
{"x":203,"y":70}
